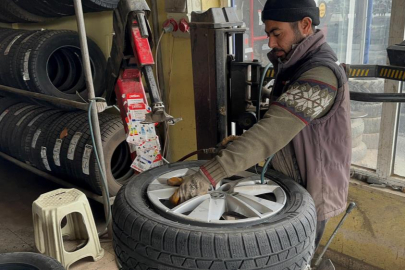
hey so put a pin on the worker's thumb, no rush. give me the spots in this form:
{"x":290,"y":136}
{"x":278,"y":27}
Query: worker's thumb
{"x":175,"y":181}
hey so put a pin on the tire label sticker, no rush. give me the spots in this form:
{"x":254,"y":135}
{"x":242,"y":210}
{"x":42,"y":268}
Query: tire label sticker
{"x":35,"y":138}
{"x":26,"y":73}
{"x":34,"y":120}
{"x":22,"y":110}
{"x":56,"y":152}
{"x":24,"y":117}
{"x":72,"y":145}
{"x":11,"y":44}
{"x":45,"y":159}
{"x":86,"y":157}
{"x":3,"y":114}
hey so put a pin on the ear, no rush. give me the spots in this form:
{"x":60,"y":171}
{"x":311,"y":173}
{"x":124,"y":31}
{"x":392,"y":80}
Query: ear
{"x":306,"y":26}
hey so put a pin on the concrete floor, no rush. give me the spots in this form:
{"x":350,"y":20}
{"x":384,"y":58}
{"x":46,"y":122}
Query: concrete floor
{"x":18,"y":189}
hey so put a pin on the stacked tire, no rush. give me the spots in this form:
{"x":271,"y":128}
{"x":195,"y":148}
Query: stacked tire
{"x":59,"y":142}
{"x":28,"y":11}
{"x":359,"y":148}
{"x":48,"y":62}
{"x":372,"y":120}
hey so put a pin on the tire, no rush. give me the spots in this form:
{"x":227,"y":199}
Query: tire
{"x":357,"y":141}
{"x":18,"y":132}
{"x":4,"y":124}
{"x":371,"y":140}
{"x":372,"y":109}
{"x":24,"y":260}
{"x":46,"y":8}
{"x":41,"y":49}
{"x":113,"y":135}
{"x":367,"y":86}
{"x":359,"y":152}
{"x":372,"y":125}
{"x":38,"y":143}
{"x":83,"y":136}
{"x":15,"y":14}
{"x":144,"y":239}
{"x":57,"y":134}
{"x":357,"y":127}
{"x":5,"y":46}
{"x":13,"y":123}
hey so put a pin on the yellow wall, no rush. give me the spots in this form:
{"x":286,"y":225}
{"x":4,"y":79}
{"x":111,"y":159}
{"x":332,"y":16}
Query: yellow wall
{"x":178,"y":74}
{"x":374,"y":231}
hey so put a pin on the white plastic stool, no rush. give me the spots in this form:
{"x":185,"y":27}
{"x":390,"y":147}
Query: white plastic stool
{"x":49,"y":210}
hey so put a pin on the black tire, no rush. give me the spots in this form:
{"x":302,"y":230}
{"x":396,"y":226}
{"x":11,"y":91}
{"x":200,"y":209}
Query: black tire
{"x":75,"y":161}
{"x":30,"y":132}
{"x":372,"y":125}
{"x":6,"y":121}
{"x":47,"y":8}
{"x":38,"y":144}
{"x":13,"y":124}
{"x":5,"y":45}
{"x":6,"y":103}
{"x":357,"y":127}
{"x":57,"y":134}
{"x":41,"y":50}
{"x":143,"y":239}
{"x":68,"y":149}
{"x":28,"y":261}
{"x":114,"y":138}
{"x":19,"y":131}
{"x":371,"y":140}
{"x":359,"y":152}
{"x":15,"y":14}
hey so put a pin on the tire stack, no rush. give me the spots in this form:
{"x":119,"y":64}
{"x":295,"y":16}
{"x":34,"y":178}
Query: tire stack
{"x":28,"y":11}
{"x":48,"y":62}
{"x":60,"y":143}
{"x":372,"y":120}
{"x":359,"y":148}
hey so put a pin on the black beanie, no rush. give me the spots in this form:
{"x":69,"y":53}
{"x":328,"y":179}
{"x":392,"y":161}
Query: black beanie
{"x":290,"y":11}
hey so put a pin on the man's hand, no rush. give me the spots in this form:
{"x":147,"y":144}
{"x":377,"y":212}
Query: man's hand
{"x":190,"y":186}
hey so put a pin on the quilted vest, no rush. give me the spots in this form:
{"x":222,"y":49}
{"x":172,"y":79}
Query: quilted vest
{"x":323,"y":148}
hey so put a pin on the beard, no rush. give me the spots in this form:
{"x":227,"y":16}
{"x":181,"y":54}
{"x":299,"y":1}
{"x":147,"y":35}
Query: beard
{"x":298,"y":38}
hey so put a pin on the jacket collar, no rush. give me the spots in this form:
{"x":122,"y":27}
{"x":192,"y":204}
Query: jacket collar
{"x":308,"y":45}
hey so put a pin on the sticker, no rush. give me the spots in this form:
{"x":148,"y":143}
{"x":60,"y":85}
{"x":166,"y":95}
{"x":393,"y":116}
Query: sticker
{"x":26,"y":73}
{"x":86,"y":157}
{"x":141,"y":164}
{"x":34,"y":120}
{"x":45,"y":159}
{"x":35,"y":138}
{"x":24,"y":117}
{"x":56,"y":152}
{"x":11,"y":44}
{"x":72,"y":145}
{"x":3,"y":114}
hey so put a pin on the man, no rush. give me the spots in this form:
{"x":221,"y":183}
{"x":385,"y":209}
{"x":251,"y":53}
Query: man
{"x":307,"y":125}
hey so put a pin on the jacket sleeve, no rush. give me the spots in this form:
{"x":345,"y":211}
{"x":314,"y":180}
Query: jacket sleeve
{"x":310,"y":97}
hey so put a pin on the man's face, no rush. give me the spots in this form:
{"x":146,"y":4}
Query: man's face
{"x":282,"y":37}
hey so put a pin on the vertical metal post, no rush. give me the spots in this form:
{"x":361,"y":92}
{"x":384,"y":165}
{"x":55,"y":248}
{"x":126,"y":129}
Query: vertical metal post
{"x":90,"y":87}
{"x":368,"y":30}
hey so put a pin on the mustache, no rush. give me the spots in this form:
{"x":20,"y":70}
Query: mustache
{"x":275,"y":50}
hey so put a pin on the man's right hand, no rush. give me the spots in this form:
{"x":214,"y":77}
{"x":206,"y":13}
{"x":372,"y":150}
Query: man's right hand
{"x":190,"y":186}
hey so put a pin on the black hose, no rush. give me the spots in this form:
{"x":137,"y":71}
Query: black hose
{"x":377,"y":97}
{"x":191,"y":154}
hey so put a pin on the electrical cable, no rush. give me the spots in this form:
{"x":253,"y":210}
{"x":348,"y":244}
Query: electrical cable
{"x":260,"y":91}
{"x":103,"y":177}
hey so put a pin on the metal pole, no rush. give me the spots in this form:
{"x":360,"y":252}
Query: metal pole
{"x":368,"y":30}
{"x":90,"y":88}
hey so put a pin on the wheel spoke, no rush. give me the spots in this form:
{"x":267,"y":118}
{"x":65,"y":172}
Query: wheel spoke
{"x":161,"y":193}
{"x":261,"y":205}
{"x":238,"y":206}
{"x":208,"y":210}
{"x":190,"y":205}
{"x":255,"y":190}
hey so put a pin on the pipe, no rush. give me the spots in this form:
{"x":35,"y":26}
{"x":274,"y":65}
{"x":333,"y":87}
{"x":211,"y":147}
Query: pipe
{"x":377,"y":97}
{"x":368,"y":30}
{"x":91,"y":96}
